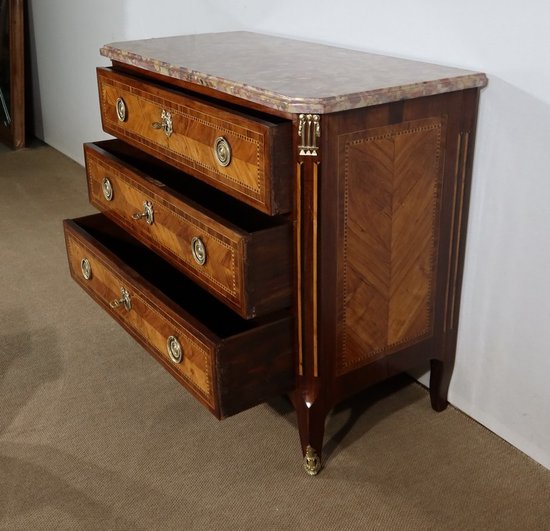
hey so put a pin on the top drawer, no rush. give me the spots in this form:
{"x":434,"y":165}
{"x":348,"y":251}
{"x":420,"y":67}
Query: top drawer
{"x":244,"y":156}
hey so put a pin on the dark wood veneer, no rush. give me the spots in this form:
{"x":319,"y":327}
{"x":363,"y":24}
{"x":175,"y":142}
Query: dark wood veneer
{"x":14,"y":73}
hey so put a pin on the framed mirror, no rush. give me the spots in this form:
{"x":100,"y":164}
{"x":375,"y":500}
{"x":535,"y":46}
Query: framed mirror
{"x":12,"y":74}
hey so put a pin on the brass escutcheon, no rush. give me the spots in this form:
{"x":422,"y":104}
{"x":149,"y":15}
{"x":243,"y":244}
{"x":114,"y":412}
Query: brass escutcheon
{"x":222,"y":151}
{"x":120,"y":107}
{"x":124,"y":299}
{"x":86,"y":268}
{"x":107,"y":188}
{"x":174,"y":349}
{"x":198,"y":250}
{"x":148,"y":213}
{"x":165,"y":123}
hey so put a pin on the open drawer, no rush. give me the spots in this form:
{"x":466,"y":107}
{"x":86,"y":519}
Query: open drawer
{"x":228,"y":363}
{"x":242,"y":154}
{"x":241,"y":256}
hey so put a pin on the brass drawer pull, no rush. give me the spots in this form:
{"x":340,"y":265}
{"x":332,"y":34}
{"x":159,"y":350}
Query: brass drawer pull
{"x":86,"y":268}
{"x":147,"y":213}
{"x":174,"y":349}
{"x":165,"y":123}
{"x":120,"y":107}
{"x":198,"y":249}
{"x":107,"y":188}
{"x":124,"y":299}
{"x":222,"y":151}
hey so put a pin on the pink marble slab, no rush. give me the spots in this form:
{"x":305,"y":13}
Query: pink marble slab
{"x":290,"y":75}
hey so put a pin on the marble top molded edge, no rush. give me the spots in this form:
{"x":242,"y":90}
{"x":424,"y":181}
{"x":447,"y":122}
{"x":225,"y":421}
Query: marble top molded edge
{"x":289,"y":75}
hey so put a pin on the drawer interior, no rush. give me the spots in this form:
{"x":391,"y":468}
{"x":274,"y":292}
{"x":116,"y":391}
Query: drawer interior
{"x":195,"y":302}
{"x":180,"y":183}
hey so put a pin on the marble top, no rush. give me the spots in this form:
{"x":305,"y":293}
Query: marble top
{"x":290,"y":75}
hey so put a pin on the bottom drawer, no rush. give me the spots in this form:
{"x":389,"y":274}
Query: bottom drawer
{"x":228,"y":363}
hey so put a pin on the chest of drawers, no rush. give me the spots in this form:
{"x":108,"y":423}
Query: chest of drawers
{"x":279,"y":217}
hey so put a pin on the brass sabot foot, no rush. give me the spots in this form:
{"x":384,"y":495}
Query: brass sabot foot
{"x":312,"y":463}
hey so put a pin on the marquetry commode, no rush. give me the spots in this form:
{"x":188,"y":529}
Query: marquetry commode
{"x":279,"y":217}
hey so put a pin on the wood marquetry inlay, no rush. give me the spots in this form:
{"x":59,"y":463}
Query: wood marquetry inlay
{"x":173,"y":229}
{"x":391,"y":180}
{"x":146,"y":319}
{"x":191,"y":143}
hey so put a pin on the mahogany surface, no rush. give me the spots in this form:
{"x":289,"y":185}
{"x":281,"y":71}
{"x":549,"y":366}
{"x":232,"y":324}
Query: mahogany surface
{"x":342,"y":268}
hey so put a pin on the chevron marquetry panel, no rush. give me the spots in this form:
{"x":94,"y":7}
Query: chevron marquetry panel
{"x":391,"y":181}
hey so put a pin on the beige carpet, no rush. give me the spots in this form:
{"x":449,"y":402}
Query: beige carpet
{"x":95,"y":435}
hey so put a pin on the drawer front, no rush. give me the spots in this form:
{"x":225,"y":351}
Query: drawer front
{"x":245,"y":157}
{"x":147,"y":320}
{"x":229,"y":364}
{"x":216,"y":254}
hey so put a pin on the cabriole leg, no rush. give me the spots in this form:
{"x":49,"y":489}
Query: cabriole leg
{"x":440,"y":378}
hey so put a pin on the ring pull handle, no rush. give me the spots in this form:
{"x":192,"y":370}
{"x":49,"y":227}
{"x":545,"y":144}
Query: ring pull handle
{"x":107,"y":188}
{"x":222,"y":151}
{"x":124,"y":299}
{"x":86,"y":268}
{"x":198,"y":250}
{"x":173,"y":346}
{"x":165,"y":123}
{"x":120,"y":107}
{"x":147,"y":213}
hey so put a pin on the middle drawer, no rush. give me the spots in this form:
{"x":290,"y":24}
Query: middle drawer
{"x":239,"y":255}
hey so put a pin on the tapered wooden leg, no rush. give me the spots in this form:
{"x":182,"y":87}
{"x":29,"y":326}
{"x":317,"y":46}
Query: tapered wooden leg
{"x":440,"y":378}
{"x":311,"y":425}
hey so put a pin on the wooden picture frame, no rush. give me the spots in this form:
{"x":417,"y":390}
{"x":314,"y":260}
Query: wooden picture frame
{"x":12,"y":74}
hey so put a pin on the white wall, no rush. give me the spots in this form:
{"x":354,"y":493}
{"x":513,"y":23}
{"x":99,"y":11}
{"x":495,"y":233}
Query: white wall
{"x":502,"y":372}
{"x":66,"y":38}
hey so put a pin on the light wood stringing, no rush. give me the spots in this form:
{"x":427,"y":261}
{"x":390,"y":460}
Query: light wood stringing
{"x":298,"y":252}
{"x":463,"y":142}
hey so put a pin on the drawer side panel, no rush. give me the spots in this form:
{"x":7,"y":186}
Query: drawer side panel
{"x":255,"y":367}
{"x":392,"y":187}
